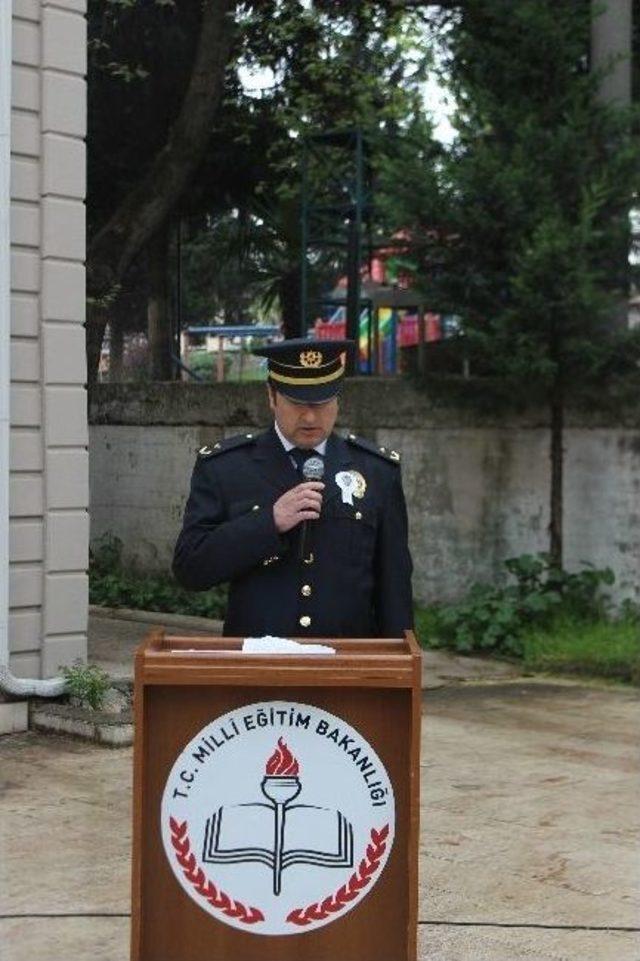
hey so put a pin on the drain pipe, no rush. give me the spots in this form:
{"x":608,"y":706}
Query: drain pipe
{"x":15,"y":686}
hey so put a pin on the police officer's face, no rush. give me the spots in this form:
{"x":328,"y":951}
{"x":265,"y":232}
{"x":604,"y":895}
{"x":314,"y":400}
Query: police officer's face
{"x":305,"y":425}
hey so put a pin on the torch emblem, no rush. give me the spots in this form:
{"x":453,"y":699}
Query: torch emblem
{"x":280,"y":785}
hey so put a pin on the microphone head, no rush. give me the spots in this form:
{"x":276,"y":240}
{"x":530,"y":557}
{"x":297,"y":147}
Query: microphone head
{"x":313,"y":469}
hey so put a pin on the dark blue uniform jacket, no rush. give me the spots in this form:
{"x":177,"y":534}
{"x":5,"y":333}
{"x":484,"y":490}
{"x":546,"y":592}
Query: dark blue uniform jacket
{"x":359,"y":583}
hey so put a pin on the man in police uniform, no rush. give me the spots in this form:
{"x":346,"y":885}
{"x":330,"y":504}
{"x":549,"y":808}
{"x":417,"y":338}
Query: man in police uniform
{"x":303,"y":557}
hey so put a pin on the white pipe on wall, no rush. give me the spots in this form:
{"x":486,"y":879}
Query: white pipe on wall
{"x":17,"y":686}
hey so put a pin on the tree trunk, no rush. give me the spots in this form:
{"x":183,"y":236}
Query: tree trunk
{"x":290,"y":302}
{"x":158,"y":311}
{"x":96,"y":326}
{"x":557,"y":472}
{"x":148,"y":205}
{"x":116,"y":349}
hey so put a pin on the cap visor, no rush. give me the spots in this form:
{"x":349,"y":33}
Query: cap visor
{"x":313,"y":394}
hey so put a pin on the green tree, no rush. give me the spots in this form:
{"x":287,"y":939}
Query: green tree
{"x":522,"y":227}
{"x":173,"y":134}
{"x":152,"y":166}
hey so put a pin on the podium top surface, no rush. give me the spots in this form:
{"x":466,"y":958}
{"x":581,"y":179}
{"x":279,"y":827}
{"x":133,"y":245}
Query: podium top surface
{"x":361,"y":662}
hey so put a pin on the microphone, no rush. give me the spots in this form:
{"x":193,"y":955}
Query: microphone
{"x":312,"y":470}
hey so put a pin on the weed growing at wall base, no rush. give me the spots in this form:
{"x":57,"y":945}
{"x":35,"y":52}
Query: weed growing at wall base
{"x":112,"y":584}
{"x":86,"y":684}
{"x":549,"y":618}
{"x":493,"y":617}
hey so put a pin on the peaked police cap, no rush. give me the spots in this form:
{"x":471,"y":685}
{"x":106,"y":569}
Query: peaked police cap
{"x":306,"y":371}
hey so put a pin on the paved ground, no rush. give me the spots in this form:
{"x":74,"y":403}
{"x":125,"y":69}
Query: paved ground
{"x":530,"y":825}
{"x":113,"y":641}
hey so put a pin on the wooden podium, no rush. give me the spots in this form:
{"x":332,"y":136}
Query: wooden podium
{"x":276,"y":801}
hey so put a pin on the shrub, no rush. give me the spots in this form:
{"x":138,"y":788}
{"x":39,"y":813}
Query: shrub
{"x":494,"y":618}
{"x":112,"y":584}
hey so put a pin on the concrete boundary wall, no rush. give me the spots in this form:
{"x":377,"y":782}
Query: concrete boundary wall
{"x":477,"y":485}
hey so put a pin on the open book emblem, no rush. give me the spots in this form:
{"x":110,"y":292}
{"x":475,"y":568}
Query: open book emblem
{"x":280,"y":832}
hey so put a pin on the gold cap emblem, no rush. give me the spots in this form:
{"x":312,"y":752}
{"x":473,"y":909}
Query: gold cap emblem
{"x":311,"y":358}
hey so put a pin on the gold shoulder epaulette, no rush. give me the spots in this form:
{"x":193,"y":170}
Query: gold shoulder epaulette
{"x":385,"y":452}
{"x":226,"y":444}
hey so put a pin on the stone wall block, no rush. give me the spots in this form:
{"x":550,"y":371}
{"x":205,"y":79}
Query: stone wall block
{"x":57,"y":652}
{"x":64,"y":104}
{"x":25,"y":318}
{"x":25,"y":271}
{"x":25,"y":586}
{"x":64,"y":41}
{"x":25,"y":224}
{"x":66,"y":417}
{"x":78,"y":6}
{"x":64,"y":167}
{"x":27,"y":9}
{"x":66,"y":479}
{"x":67,"y":541}
{"x":25,"y":179}
{"x":25,"y":361}
{"x":25,"y":88}
{"x":25,"y":630}
{"x":25,"y":406}
{"x":25,"y":495}
{"x":25,"y":665}
{"x":26,"y":450}
{"x":64,"y":354}
{"x":25,"y":43}
{"x":66,"y":603}
{"x":63,"y":229}
{"x":26,"y":541}
{"x":63,"y":291}
{"x":25,"y":133}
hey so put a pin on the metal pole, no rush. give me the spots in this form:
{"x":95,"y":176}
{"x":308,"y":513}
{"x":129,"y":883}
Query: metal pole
{"x":304,"y":266}
{"x":355,"y":249}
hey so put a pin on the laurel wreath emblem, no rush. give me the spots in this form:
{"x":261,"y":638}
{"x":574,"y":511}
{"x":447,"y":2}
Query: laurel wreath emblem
{"x":311,"y":358}
{"x":199,"y":881}
{"x":358,"y":880}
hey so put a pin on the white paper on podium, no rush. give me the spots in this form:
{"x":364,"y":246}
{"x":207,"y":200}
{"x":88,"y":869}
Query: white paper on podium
{"x":282,"y":645}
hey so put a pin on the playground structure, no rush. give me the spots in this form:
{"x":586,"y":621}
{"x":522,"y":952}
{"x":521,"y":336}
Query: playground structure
{"x":373,"y":302}
{"x":383,"y":330}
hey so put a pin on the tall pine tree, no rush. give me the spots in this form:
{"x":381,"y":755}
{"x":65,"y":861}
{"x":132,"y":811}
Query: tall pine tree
{"x":522,"y":227}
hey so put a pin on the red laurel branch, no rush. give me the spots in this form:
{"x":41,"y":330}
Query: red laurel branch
{"x":197,"y":878}
{"x":358,"y":880}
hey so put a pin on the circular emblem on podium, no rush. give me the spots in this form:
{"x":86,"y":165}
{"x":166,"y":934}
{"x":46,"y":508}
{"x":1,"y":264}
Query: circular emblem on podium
{"x":278,"y":818}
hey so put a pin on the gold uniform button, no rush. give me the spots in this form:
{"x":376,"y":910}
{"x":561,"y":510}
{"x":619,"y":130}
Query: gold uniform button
{"x":305,"y":620}
{"x":256,"y":507}
{"x":358,"y":516}
{"x":306,"y":590}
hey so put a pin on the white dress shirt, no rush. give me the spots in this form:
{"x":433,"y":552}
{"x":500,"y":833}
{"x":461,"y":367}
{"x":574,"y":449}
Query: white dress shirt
{"x":320,"y":449}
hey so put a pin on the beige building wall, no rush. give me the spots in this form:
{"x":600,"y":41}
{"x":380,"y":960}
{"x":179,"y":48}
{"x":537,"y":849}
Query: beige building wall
{"x":49,"y":525}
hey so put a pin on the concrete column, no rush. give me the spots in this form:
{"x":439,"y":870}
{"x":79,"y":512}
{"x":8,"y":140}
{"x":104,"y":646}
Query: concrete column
{"x":611,"y":48}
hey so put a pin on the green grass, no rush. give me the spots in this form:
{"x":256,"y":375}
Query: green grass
{"x":590,"y":648}
{"x":608,"y":649}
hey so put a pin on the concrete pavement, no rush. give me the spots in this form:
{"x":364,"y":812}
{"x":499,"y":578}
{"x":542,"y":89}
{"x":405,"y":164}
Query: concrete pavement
{"x":530,"y":824}
{"x":115,"y":635}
